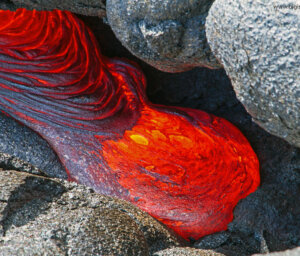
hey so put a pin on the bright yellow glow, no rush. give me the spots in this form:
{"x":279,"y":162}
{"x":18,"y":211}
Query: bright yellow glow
{"x":139,"y":139}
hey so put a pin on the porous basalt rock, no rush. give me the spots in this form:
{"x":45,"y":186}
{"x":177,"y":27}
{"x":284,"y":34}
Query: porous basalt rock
{"x":8,"y":162}
{"x":24,"y":150}
{"x":84,"y":7}
{"x":293,"y":252}
{"x":258,"y":44}
{"x":40,"y":216}
{"x":212,"y":241}
{"x":185,"y":251}
{"x":168,"y":34}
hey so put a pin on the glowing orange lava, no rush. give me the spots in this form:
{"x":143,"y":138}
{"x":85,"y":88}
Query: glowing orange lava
{"x":185,"y":167}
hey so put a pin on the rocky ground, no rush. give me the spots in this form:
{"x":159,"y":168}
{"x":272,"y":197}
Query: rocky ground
{"x":67,"y":219}
{"x":62,"y":218}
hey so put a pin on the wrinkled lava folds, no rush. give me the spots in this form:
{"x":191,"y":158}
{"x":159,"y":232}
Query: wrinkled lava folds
{"x":185,"y":167}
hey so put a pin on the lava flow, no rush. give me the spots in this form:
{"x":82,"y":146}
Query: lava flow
{"x":185,"y":167}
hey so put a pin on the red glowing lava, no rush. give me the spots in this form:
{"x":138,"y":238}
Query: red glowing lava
{"x":185,"y":167}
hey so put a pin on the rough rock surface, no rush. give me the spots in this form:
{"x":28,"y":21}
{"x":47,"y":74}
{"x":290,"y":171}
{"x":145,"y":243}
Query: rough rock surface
{"x":168,"y":34}
{"x":40,"y":216}
{"x":85,"y":7}
{"x":185,"y":251}
{"x":213,"y":241}
{"x":19,"y":144}
{"x":258,"y":44}
{"x":8,"y":162}
{"x":294,"y":252}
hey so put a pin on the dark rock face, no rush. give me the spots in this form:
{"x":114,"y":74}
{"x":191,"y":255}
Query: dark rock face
{"x":21,"y":143}
{"x":169,"y":35}
{"x":85,"y":7}
{"x":7,"y":5}
{"x":258,"y":45}
{"x":64,"y":218}
{"x":213,"y":241}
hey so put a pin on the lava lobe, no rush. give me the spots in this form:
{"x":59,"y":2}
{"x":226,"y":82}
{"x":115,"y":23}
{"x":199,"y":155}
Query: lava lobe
{"x":185,"y":167}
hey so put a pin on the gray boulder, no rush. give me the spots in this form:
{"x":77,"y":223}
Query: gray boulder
{"x":185,"y":251}
{"x":42,"y":216}
{"x":293,"y":252}
{"x":167,"y":34}
{"x":258,"y":44}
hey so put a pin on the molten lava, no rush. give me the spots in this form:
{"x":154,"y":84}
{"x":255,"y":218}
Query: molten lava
{"x":185,"y":167}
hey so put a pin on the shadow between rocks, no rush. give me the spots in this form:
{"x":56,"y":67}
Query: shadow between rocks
{"x":28,"y":201}
{"x":7,"y":5}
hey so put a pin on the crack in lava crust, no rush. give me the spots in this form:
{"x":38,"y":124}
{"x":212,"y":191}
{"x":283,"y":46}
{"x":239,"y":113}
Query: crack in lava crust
{"x":184,"y":167}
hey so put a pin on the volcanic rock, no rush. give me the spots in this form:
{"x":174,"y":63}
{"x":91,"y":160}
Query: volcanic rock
{"x":258,"y":44}
{"x":185,"y":251}
{"x":212,"y":241}
{"x":49,"y":216}
{"x":168,"y":34}
{"x":293,"y":252}
{"x":7,"y":5}
{"x":20,"y":146}
{"x":84,"y":7}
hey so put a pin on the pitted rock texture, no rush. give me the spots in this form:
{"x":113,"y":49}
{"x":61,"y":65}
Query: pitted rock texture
{"x":185,"y":251}
{"x":293,"y":252}
{"x":213,"y":241}
{"x":167,"y":34}
{"x":20,"y":147}
{"x":8,"y":162}
{"x":84,"y":7}
{"x":258,"y":44}
{"x":40,"y":216}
